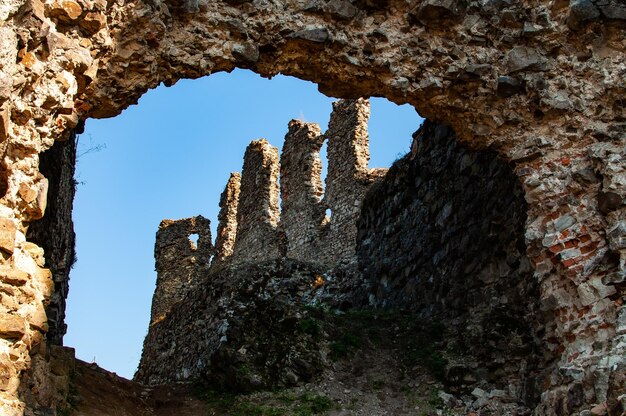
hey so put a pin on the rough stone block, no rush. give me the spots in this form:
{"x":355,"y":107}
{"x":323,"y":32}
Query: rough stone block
{"x":523,"y":58}
{"x":45,"y":282}
{"x":64,"y":10}
{"x":342,"y":9}
{"x":247,"y":52}
{"x":617,"y":236}
{"x":92,"y":22}
{"x":592,"y":291}
{"x":581,"y":11}
{"x":7,"y":373}
{"x":12,"y":326}
{"x":7,"y":235}
{"x":13,"y":276}
{"x":315,"y":35}
{"x":431,"y":12}
{"x":35,"y":252}
{"x":508,"y":86}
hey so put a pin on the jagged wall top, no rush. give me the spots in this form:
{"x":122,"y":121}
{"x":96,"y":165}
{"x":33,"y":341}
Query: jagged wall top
{"x":180,"y":262}
{"x":304,"y":232}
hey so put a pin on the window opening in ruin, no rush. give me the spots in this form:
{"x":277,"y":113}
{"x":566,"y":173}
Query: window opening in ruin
{"x":153,"y":151}
{"x":193,"y":239}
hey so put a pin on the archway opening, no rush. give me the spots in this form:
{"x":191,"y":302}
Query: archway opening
{"x":170,"y":157}
{"x":182,"y":163}
{"x":171,"y":187}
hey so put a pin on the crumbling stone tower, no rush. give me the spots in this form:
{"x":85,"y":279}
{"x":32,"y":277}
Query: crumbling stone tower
{"x":257,"y":208}
{"x":301,"y":190}
{"x":348,"y":176}
{"x":179,"y":261}
{"x":251,"y":226}
{"x":227,"y":228}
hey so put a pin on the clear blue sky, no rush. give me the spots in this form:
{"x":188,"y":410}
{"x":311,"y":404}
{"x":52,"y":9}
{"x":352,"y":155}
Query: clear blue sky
{"x":170,"y":157}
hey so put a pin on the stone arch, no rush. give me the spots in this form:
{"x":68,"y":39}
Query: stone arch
{"x":539,"y":82}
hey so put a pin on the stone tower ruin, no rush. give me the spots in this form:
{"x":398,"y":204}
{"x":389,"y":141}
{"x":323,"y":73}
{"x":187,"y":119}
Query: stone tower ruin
{"x":301,"y":229}
{"x":180,"y":262}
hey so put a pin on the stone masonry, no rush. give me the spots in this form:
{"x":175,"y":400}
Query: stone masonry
{"x":180,"y":262}
{"x":443,"y":235}
{"x":301,"y":230}
{"x":302,"y":216}
{"x":348,"y":176}
{"x":52,"y":233}
{"x":257,"y":206}
{"x":539,"y":82}
{"x":227,"y":218}
{"x":253,"y":231}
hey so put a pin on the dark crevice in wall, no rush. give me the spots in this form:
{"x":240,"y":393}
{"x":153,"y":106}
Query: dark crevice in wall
{"x":443,"y":235}
{"x":4,"y":180}
{"x":55,"y":231}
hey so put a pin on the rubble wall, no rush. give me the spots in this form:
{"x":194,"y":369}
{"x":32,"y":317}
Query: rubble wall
{"x":348,"y":177}
{"x":55,"y":231}
{"x":257,"y":210}
{"x":180,"y":263}
{"x":302,"y":217}
{"x":443,"y":235}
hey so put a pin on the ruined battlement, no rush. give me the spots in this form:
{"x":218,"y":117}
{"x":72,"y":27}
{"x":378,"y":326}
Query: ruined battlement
{"x":227,"y":218}
{"x":252,"y":228}
{"x":179,"y":261}
{"x":257,"y":207}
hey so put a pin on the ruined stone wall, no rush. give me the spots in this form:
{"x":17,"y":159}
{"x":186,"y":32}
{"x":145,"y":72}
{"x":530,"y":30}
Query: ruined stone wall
{"x":180,"y":263}
{"x":539,"y":82}
{"x":237,"y":331}
{"x":348,"y":176}
{"x":55,"y":231}
{"x":303,"y":232}
{"x":443,"y":235}
{"x":227,"y":218}
{"x":302,"y":217}
{"x":257,"y":208}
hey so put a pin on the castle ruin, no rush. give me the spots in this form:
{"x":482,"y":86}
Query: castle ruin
{"x":538,"y":82}
{"x":251,"y":226}
{"x":180,"y":262}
